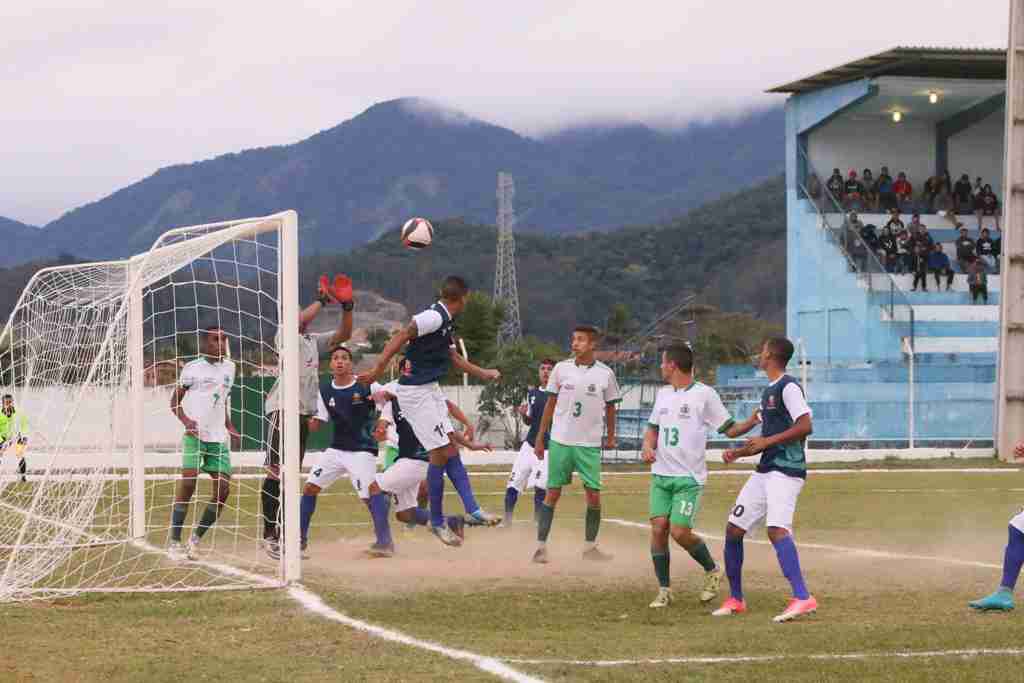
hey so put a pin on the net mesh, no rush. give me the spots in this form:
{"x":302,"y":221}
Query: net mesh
{"x":92,"y":355}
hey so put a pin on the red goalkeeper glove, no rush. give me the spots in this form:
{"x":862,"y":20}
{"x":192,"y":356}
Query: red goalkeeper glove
{"x":343,"y":288}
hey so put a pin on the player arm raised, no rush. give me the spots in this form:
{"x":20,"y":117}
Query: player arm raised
{"x":464,"y":365}
{"x":179,"y":412}
{"x":343,"y":294}
{"x":398,"y":340}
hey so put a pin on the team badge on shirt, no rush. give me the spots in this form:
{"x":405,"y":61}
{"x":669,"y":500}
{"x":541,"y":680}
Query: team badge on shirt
{"x":771,"y":402}
{"x":357,"y":399}
{"x":330,"y":404}
{"x":592,"y":389}
{"x":684,"y":411}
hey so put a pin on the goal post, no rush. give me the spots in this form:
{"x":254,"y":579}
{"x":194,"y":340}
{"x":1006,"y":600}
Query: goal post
{"x":92,"y":353}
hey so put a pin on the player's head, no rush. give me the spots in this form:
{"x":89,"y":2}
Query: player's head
{"x":584,"y":340}
{"x":8,"y":403}
{"x":546,"y":366}
{"x":454,"y":292}
{"x":676,"y":358}
{"x":341,"y":361}
{"x":214,"y":342}
{"x":775,"y":353}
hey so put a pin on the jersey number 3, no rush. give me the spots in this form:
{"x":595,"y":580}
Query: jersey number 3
{"x":577,"y":409}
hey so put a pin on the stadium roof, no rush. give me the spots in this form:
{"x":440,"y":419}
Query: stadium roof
{"x":924,"y":62}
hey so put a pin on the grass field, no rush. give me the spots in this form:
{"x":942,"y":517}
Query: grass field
{"x":892,"y":557}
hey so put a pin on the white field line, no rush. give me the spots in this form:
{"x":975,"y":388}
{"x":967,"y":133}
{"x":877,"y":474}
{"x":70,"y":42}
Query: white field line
{"x":864,"y":552}
{"x":732,"y":659}
{"x":311,"y":602}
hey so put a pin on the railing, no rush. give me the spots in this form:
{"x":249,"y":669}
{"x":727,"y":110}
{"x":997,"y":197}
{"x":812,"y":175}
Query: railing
{"x":861,"y":259}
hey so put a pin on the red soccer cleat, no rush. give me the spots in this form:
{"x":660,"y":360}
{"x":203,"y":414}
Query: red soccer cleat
{"x":730,"y":607}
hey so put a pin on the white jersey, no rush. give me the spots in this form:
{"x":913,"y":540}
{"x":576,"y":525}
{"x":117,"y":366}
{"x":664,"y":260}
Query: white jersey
{"x":209,"y":387}
{"x":385,"y":412}
{"x":683,"y":418}
{"x":582,"y":393}
{"x":310,"y":348}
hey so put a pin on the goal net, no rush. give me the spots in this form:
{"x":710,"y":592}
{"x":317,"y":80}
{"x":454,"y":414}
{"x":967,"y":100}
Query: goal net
{"x":93,"y":355}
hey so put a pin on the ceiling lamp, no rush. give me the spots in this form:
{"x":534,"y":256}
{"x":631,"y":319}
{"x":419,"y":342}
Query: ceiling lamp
{"x":933,"y":97}
{"x":897,"y":117}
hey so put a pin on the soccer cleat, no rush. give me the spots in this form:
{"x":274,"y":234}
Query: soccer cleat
{"x":192,"y":549}
{"x":540,"y":555}
{"x":1000,"y":601}
{"x":482,"y":518}
{"x":729,"y":607}
{"x":447,"y":536}
{"x":595,"y":554}
{"x":272,"y":548}
{"x":176,"y":552}
{"x":797,"y":608}
{"x":380,"y":550}
{"x":712,"y":582}
{"x":663,"y":599}
{"x":457,"y":526}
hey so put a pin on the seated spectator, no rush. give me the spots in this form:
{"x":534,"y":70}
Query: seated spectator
{"x":943,"y":202}
{"x":870,"y":237}
{"x":963,"y":195}
{"x":977,"y":281}
{"x":870,"y":189}
{"x":894,"y":222}
{"x":985,"y":248}
{"x":964,"y":250}
{"x":883,"y":190}
{"x":888,"y":249}
{"x":920,"y":267}
{"x":835,"y":185}
{"x":924,"y":237}
{"x":928,"y":193}
{"x":854,"y":245}
{"x":997,"y":246}
{"x":853,"y":191}
{"x":978,"y":186}
{"x":904,"y":192}
{"x":938,"y":265}
{"x":904,"y":247}
{"x":987,"y":204}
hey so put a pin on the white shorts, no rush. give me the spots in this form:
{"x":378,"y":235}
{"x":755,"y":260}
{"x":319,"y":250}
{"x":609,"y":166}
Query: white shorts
{"x":1017,"y":521}
{"x":528,"y":471}
{"x":402,"y":480}
{"x":360,"y":466}
{"x":769,"y":497}
{"x":426,"y":410}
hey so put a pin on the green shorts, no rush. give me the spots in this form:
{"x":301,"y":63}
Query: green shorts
{"x":677,"y":498}
{"x":563,"y":460}
{"x":390,"y":456}
{"x":208,"y":456}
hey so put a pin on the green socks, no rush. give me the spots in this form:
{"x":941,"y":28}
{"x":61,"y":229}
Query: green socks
{"x":545,"y":515}
{"x":661,"y":560}
{"x":702,"y":555}
{"x":593,"y":524}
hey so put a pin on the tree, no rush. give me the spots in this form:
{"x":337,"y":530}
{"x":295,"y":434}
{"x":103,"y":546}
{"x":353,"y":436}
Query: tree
{"x":620,"y":324}
{"x":478,"y":328}
{"x":377,"y":337}
{"x":499,"y":400}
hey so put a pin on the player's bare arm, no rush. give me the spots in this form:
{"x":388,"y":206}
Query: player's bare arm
{"x":610,"y":411}
{"x":738,"y":429}
{"x":800,"y":430}
{"x":191,"y":428}
{"x":649,"y":453}
{"x":487,"y":375}
{"x":461,"y":440}
{"x":236,"y":437}
{"x":314,"y":424}
{"x":545,"y":427}
{"x":460,"y":417}
{"x":394,"y":345}
{"x":342,"y":293}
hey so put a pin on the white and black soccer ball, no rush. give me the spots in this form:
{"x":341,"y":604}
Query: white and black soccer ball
{"x":417,"y":233}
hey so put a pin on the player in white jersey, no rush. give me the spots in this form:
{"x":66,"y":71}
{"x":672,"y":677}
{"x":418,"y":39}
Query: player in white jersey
{"x":201,"y":404}
{"x":684,"y":413}
{"x":311,"y":347}
{"x":585,"y":394}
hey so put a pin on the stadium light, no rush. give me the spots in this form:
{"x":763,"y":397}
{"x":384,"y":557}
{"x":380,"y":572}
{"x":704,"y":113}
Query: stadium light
{"x":933,"y":97}
{"x":897,"y":117}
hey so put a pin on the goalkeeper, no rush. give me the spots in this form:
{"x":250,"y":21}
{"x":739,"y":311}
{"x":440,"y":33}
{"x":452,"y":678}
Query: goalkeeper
{"x":14,"y":432}
{"x":311,"y":347}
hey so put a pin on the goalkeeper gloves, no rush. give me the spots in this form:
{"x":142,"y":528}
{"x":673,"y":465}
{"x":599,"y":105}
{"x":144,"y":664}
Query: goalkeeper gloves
{"x":343,"y":291}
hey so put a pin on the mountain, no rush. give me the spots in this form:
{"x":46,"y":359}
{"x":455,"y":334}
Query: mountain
{"x":410,"y":157}
{"x":724,"y":252}
{"x":22,"y":243}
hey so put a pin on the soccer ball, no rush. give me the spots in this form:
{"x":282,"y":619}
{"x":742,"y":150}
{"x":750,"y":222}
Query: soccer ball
{"x":417,"y":233}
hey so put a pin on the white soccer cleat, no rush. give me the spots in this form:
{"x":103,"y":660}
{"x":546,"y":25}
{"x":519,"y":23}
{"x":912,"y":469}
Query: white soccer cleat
{"x":176,"y":552}
{"x":540,"y":555}
{"x":482,"y":518}
{"x":797,"y":608}
{"x":271,"y":547}
{"x":712,"y":583}
{"x":447,"y":536}
{"x":663,"y":599}
{"x":192,"y":549}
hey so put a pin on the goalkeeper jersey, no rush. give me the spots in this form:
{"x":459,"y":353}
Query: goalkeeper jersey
{"x":12,"y":425}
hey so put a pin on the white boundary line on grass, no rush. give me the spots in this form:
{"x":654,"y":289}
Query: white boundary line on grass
{"x":772,"y":658}
{"x":312,"y":602}
{"x":866,"y":552}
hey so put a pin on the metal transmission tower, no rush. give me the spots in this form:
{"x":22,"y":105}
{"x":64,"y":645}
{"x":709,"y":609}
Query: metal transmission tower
{"x":1010,"y":415}
{"x":505,"y":289}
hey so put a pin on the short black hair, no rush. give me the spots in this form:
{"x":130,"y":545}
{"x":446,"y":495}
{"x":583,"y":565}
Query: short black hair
{"x":781,"y":348}
{"x":681,"y":355}
{"x":207,"y":331}
{"x":453,"y":288}
{"x":341,"y":347}
{"x":588,"y":329}
{"x":8,"y":397}
{"x":548,"y":361}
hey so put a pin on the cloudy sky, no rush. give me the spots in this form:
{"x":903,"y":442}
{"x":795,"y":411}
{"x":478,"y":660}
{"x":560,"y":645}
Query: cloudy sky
{"x":97,"y":95}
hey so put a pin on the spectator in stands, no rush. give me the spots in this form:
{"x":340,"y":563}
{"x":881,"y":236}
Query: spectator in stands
{"x":905,"y":248}
{"x":920,"y":267}
{"x":977,"y":281}
{"x":938,"y":265}
{"x":814,"y":189}
{"x":867,"y":179}
{"x":942,"y":201}
{"x":978,"y":187}
{"x":853,"y":243}
{"x":888,"y":249}
{"x":985,"y":248}
{"x":904,"y":192}
{"x":929,"y":191}
{"x":987,"y":204}
{"x":870,"y":237}
{"x":997,"y":246}
{"x":883,"y":190}
{"x":894,"y":222}
{"x":964,"y":250}
{"x":963,"y":195}
{"x":853,"y":191}
{"x":836,"y":185}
